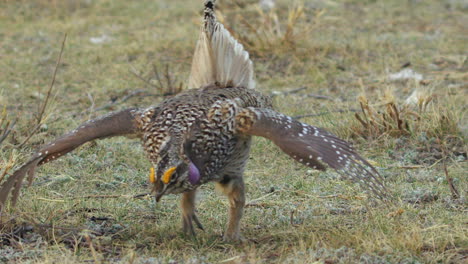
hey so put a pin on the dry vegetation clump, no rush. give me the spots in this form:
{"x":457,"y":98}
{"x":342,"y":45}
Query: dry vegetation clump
{"x":165,"y":83}
{"x":6,"y":125}
{"x":271,"y":32}
{"x":424,"y":133}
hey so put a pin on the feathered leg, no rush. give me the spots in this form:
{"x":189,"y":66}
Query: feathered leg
{"x":235,"y":192}
{"x":188,"y":213}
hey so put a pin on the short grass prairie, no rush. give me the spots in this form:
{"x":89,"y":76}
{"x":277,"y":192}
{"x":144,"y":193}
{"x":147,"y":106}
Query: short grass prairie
{"x":389,"y":76}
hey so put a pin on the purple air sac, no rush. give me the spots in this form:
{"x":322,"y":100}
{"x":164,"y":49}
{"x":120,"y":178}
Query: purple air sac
{"x":194,"y":174}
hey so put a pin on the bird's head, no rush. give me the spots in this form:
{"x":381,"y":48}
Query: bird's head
{"x":175,"y":173}
{"x":176,"y":179}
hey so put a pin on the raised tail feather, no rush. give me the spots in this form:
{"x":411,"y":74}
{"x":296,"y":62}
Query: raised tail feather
{"x":219,"y":59}
{"x":115,"y":124}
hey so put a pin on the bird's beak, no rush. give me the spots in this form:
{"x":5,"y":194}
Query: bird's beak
{"x":161,"y":188}
{"x":160,"y":194}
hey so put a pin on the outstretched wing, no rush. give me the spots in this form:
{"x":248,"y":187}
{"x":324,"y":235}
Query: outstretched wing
{"x":311,"y":146}
{"x":219,"y":59}
{"x":114,"y":124}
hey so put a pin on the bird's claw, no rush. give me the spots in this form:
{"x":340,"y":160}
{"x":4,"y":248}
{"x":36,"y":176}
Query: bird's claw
{"x":234,"y":238}
{"x":187,"y":224}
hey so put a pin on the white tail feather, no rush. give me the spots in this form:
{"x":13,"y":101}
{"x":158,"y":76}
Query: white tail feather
{"x":219,"y":59}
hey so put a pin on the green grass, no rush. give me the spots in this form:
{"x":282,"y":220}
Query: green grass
{"x":340,"y":49}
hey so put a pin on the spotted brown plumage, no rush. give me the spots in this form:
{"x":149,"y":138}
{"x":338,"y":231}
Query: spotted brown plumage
{"x":204,"y":134}
{"x":196,"y":122}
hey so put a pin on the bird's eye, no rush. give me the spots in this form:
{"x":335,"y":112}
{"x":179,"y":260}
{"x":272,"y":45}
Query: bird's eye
{"x":167,"y":177}
{"x":174,"y":177}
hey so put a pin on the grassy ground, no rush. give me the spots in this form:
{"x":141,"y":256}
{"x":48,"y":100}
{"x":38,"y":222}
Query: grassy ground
{"x":80,"y":208}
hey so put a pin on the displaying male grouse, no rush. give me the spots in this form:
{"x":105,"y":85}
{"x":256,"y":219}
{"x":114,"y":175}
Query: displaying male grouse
{"x":204,"y":134}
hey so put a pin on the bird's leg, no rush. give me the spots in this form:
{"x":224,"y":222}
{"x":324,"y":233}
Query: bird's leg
{"x":188,"y":213}
{"x":234,"y":190}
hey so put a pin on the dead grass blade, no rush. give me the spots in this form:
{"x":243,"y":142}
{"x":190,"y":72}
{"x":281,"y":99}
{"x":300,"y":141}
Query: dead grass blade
{"x":6,"y":167}
{"x":49,"y":91}
{"x":272,"y":32}
{"x":165,"y":83}
{"x":453,"y":190}
{"x":6,"y":125}
{"x":40,"y":115}
{"x":374,"y":124}
{"x":423,"y":137}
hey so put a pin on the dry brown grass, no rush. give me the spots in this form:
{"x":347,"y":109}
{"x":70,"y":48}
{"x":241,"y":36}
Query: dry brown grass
{"x":271,"y":32}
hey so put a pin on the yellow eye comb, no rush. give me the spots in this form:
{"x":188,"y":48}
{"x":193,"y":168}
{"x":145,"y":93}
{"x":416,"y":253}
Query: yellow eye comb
{"x":168,"y":174}
{"x":152,"y":178}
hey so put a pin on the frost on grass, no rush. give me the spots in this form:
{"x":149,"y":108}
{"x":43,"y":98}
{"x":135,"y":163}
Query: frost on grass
{"x":342,"y":255}
{"x":420,"y":196}
{"x":104,"y":38}
{"x":405,"y":74}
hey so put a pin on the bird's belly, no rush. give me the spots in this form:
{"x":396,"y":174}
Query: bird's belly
{"x":235,"y":163}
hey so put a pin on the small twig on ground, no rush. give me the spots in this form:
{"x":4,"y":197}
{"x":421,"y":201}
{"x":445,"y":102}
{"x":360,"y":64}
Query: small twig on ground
{"x":5,"y":171}
{"x":125,"y":98}
{"x":293,"y":91}
{"x":6,"y":168}
{"x":6,"y":125}
{"x":453,"y":190}
{"x":91,"y":247}
{"x":133,"y":71}
{"x":8,"y":128}
{"x":261,"y":204}
{"x":168,"y":77}
{"x":99,"y":196}
{"x":49,"y":92}
{"x":407,"y":167}
{"x":164,"y":87}
{"x":91,"y":99}
{"x":50,"y":200}
{"x":331,"y":196}
{"x":318,"y":96}
{"x":17,"y":233}
{"x":435,"y":163}
{"x":141,"y":93}
{"x":158,"y":78}
{"x":254,"y":201}
{"x":326,"y":113}
{"x":141,"y":195}
{"x":230,"y":259}
{"x":46,"y":226}
{"x":46,"y":101}
{"x":33,"y":131}
{"x":291,"y":219}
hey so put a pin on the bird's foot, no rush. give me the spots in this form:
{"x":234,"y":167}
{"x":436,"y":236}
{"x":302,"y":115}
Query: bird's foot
{"x":187,"y":224}
{"x":233,"y":237}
